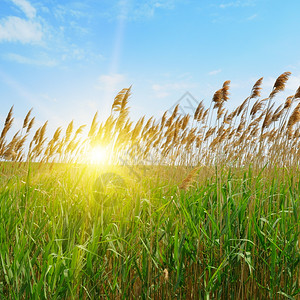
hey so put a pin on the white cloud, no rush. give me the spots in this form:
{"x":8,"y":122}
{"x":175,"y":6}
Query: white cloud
{"x":164,"y":90}
{"x":54,"y":40}
{"x":48,"y":98}
{"x":215,"y":72}
{"x":293,"y":83}
{"x":142,"y":9}
{"x":252,"y":17}
{"x":15,"y":29}
{"x":26,"y":7}
{"x":109,"y":82}
{"x":238,"y":3}
{"x":148,"y":9}
{"x":76,"y":10}
{"x":30,"y":61}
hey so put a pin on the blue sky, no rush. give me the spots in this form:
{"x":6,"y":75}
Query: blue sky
{"x":68,"y":59}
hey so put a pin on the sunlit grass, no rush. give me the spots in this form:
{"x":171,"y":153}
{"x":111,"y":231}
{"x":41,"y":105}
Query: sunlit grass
{"x":233,"y":235}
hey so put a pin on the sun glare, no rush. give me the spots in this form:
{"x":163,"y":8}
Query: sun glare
{"x":98,"y":155}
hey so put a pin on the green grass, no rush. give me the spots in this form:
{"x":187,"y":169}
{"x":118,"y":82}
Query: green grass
{"x":234,"y":235}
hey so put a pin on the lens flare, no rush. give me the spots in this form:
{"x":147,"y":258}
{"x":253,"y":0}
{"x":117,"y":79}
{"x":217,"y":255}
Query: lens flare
{"x":98,"y":155}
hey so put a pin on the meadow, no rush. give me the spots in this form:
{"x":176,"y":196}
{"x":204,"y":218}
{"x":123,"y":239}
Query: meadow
{"x":208,"y":205}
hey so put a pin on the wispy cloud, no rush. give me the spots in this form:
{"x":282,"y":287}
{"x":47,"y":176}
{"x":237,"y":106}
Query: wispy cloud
{"x":293,"y":83}
{"x":224,"y":12}
{"x":26,"y":7}
{"x":252,"y":17}
{"x":215,"y":72}
{"x":149,"y":8}
{"x":165,"y":90}
{"x":238,"y":3}
{"x":109,"y":82}
{"x":31,"y":61}
{"x":143,"y":9}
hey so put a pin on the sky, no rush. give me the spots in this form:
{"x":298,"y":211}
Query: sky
{"x":68,"y":59}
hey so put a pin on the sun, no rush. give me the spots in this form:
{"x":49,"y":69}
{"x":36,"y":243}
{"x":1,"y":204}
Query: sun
{"x":98,"y":155}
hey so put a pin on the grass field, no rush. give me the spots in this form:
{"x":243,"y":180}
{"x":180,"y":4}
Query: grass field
{"x":234,"y":235}
{"x":213,"y":215}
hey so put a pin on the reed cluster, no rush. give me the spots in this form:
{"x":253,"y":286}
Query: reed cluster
{"x":257,"y":131}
